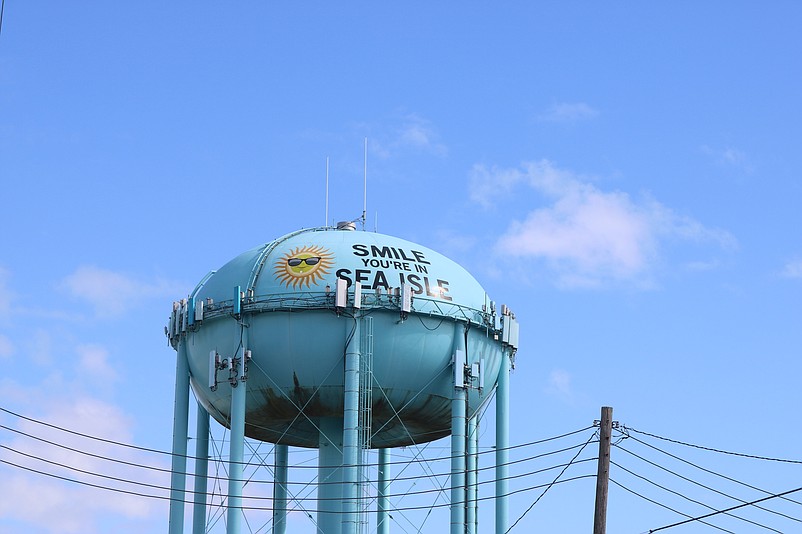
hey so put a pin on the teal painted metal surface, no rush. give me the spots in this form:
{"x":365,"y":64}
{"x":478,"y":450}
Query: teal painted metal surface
{"x":330,"y":476}
{"x":458,"y":429}
{"x":278,"y":300}
{"x":281,"y":453}
{"x":201,"y":470}
{"x":502,"y":445}
{"x":180,"y":434}
{"x":383,"y":490}
{"x":471,"y":473}
{"x":236,"y":302}
{"x":298,"y":341}
{"x":351,"y":446}
{"x":237,"y":445}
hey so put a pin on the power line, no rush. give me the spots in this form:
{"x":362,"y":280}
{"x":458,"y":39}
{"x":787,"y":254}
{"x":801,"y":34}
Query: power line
{"x":167,"y":453}
{"x":707,"y":487}
{"x":717,"y":512}
{"x":81,"y":434}
{"x":552,"y":483}
{"x":85,"y":453}
{"x":297,"y":499}
{"x":625,"y":430}
{"x":306,"y":483}
{"x":145,"y":466}
{"x":395,"y":509}
{"x":665,"y":506}
{"x":725,"y":477}
{"x":711,"y":449}
{"x":700,"y":503}
{"x":84,"y":471}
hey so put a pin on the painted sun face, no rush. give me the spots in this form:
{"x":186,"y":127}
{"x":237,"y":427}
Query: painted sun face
{"x":303,"y":266}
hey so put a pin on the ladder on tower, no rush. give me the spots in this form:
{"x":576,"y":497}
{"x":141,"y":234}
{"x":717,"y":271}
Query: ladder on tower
{"x":365,"y":419}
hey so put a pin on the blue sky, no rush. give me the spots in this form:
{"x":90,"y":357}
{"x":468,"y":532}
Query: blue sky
{"x":625,"y":177}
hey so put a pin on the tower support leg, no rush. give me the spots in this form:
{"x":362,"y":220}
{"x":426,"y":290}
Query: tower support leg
{"x":201,"y":470}
{"x":383,"y":501}
{"x":472,"y":472}
{"x":458,"y":427}
{"x":237,"y":445}
{"x":330,"y":476}
{"x":280,"y":489}
{"x":351,"y":445}
{"x":180,"y":435}
{"x":502,"y":443}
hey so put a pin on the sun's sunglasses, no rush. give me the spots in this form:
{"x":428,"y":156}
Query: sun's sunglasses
{"x":295,"y":262}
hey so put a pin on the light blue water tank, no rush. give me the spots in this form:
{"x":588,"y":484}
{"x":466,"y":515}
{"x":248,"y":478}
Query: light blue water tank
{"x":288,"y":316}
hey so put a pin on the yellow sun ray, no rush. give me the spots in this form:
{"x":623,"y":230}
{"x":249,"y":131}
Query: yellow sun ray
{"x":303,"y":266}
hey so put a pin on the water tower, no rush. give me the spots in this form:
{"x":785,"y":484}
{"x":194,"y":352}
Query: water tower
{"x":343,"y":341}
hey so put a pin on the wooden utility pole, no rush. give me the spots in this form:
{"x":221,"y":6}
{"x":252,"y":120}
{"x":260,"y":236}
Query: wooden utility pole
{"x":603,"y":474}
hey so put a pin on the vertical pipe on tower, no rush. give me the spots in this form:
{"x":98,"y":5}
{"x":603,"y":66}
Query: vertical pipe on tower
{"x":351,"y":445}
{"x":502,"y":443}
{"x":475,"y":494}
{"x":180,"y":434}
{"x":473,"y":444}
{"x":458,"y":411}
{"x":383,"y":501}
{"x":237,"y":445}
{"x":280,"y":489}
{"x":201,"y":470}
{"x":330,"y":476}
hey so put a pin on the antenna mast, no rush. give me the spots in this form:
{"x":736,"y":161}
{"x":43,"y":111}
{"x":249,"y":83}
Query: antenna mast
{"x":365,"y":191}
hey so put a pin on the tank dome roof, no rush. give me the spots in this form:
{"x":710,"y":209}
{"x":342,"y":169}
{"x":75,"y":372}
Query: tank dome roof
{"x":309,"y":260}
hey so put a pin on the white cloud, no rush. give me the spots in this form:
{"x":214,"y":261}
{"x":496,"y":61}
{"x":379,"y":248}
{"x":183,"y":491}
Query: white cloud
{"x":413,"y":133}
{"x":586,"y":235}
{"x":6,"y":347}
{"x":417,"y":132}
{"x":451,"y":242}
{"x":593,"y":231}
{"x":54,"y":505}
{"x":702,"y":266}
{"x":93,"y":359}
{"x":569,"y":112}
{"x":6,"y":296}
{"x":559,"y":384}
{"x":487,"y":185}
{"x":40,"y":346}
{"x":729,"y":157}
{"x":109,"y":292}
{"x":792,"y":269}
{"x":560,"y":380}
